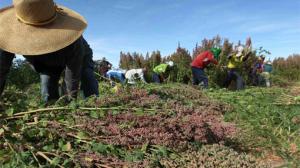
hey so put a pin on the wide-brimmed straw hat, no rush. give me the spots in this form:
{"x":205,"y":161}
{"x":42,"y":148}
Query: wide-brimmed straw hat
{"x":35,"y":27}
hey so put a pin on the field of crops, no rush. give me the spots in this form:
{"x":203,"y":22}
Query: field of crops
{"x":171,"y":125}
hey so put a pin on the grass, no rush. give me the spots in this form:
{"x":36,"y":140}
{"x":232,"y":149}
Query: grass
{"x":266,"y":127}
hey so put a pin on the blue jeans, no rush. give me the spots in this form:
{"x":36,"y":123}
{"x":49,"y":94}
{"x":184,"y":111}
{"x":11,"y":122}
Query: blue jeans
{"x":233,"y":74}
{"x":156,"y":78}
{"x":49,"y":86}
{"x":199,"y":76}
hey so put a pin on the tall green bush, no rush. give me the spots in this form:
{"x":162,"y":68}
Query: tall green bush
{"x":22,"y":75}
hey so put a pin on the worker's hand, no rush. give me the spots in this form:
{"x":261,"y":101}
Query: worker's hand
{"x":229,"y":56}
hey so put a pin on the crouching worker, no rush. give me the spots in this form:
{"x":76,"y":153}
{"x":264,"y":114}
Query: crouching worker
{"x":201,"y":62}
{"x":257,"y":71}
{"x":267,"y":69}
{"x":235,"y":60}
{"x":134,"y":75}
{"x":49,"y":37}
{"x":161,"y":71}
{"x":102,"y":66}
{"x":116,"y":75}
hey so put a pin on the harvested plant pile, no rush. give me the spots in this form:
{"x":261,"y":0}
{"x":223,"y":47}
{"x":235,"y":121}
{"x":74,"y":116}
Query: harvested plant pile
{"x":135,"y":127}
{"x":211,"y":156}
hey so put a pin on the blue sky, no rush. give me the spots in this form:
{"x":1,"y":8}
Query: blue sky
{"x":147,"y":25}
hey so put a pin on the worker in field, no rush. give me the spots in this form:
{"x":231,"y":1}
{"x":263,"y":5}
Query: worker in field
{"x":50,"y":38}
{"x":102,"y":66}
{"x":133,"y":75}
{"x":117,"y":75}
{"x":257,"y":70}
{"x":160,"y":72}
{"x":235,"y":60}
{"x":267,"y":69}
{"x":201,"y":62}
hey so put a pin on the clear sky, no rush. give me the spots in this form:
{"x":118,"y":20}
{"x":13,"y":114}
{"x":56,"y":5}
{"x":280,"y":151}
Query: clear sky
{"x":147,"y":25}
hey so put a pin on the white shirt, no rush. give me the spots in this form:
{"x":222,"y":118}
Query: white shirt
{"x":130,"y":75}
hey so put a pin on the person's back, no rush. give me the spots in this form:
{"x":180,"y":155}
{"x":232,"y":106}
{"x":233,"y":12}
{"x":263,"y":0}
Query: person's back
{"x":268,"y":68}
{"x":116,"y":75}
{"x":133,"y":74}
{"x":203,"y":60}
{"x":234,"y":62}
{"x":159,"y":69}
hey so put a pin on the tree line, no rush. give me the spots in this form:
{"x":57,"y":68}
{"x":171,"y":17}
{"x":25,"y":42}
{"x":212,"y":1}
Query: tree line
{"x":285,"y":69}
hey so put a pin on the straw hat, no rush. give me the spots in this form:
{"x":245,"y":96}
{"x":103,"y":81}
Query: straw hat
{"x":35,"y":27}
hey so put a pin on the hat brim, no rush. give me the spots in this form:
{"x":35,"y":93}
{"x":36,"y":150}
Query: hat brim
{"x":19,"y":38}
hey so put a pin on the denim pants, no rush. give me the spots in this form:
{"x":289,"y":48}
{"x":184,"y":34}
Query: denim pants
{"x":49,"y":86}
{"x":5,"y":64}
{"x":50,"y":67}
{"x":233,"y":74}
{"x":199,"y":76}
{"x":156,"y":78}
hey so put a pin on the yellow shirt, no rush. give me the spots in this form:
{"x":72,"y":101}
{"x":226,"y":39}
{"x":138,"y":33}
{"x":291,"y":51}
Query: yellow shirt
{"x":234,"y":62}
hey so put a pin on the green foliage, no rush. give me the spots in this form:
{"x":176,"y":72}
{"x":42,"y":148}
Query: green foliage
{"x":288,"y":68}
{"x":181,"y":72}
{"x":275,"y":127}
{"x":22,"y":75}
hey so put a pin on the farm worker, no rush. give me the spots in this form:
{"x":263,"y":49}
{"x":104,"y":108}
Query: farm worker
{"x":135,"y":74}
{"x":116,"y":75}
{"x":201,"y":62}
{"x":257,"y":70}
{"x":49,"y":37}
{"x":102,"y":66}
{"x":161,"y":70}
{"x":235,"y":60}
{"x":267,"y":69}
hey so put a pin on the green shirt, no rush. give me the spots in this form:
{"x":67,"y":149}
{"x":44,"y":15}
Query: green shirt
{"x":162,"y":68}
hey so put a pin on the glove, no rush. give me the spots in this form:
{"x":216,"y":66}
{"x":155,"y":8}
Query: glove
{"x":229,"y":56}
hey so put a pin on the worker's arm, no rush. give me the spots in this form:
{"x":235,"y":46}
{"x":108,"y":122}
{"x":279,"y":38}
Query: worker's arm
{"x":75,"y":54}
{"x":5,"y":64}
{"x":245,"y":58}
{"x":142,"y":77}
{"x":214,"y":61}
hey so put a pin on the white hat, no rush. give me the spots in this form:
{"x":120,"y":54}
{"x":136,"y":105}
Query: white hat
{"x":170,"y":63}
{"x":240,"y":50}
